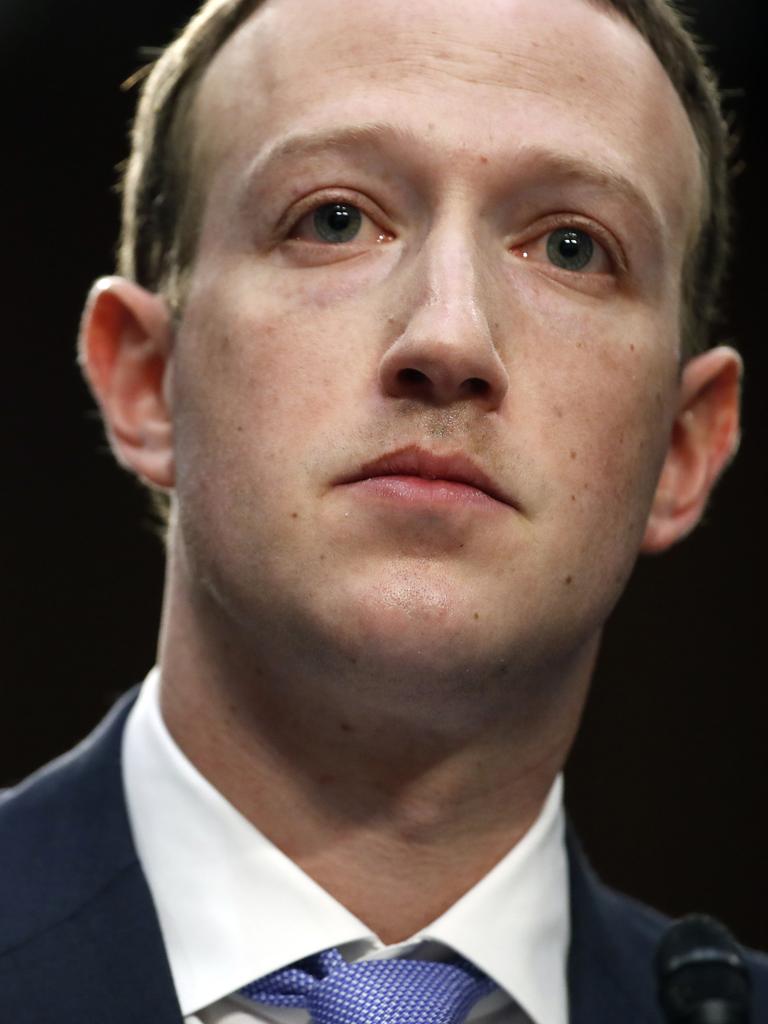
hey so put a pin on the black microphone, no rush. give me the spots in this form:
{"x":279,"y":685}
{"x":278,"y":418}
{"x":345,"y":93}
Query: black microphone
{"x":701,"y":973}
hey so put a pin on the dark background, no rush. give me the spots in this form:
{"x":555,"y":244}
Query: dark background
{"x":667,"y":784}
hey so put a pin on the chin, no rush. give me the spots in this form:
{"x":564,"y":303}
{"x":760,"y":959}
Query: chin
{"x":417,"y":626}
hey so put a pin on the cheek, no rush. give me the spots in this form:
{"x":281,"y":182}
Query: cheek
{"x":602,"y":386}
{"x":610,"y":412}
{"x":271,"y":382}
{"x":266,"y":364}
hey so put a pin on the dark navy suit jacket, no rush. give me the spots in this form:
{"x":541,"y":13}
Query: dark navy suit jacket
{"x":79,"y":936}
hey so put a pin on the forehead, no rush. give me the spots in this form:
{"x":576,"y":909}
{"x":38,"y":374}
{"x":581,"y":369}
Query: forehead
{"x":492,"y":77}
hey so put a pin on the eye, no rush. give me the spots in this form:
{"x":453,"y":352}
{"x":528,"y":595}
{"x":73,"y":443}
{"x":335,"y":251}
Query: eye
{"x":570,"y":248}
{"x":334,"y":223}
{"x":331,"y":227}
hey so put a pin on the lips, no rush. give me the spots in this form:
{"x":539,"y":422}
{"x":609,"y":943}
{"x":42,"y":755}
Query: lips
{"x":414,"y":462}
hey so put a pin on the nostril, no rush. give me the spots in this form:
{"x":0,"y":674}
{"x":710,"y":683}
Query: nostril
{"x":476,"y":386}
{"x":411,"y":376}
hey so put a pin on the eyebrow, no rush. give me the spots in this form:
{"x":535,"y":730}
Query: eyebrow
{"x":600,"y":177}
{"x":312,"y":141}
{"x":535,"y":162}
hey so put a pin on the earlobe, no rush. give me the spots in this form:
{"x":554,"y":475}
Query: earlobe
{"x":704,"y":439}
{"x":125,"y":353}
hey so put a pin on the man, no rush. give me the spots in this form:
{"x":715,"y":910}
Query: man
{"x":409,"y":330}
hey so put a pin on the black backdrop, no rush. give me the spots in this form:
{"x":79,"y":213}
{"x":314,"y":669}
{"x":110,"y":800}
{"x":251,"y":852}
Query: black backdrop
{"x":667,"y":783}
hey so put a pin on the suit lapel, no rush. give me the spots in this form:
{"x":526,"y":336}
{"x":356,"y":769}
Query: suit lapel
{"x":105,"y":964}
{"x":613,"y":939}
{"x":80,"y":940}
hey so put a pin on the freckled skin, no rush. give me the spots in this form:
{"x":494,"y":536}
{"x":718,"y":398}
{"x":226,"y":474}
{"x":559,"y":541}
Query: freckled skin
{"x":307,"y":346}
{"x":457,"y":640}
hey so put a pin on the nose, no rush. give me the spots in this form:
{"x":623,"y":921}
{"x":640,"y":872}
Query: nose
{"x":445,"y":352}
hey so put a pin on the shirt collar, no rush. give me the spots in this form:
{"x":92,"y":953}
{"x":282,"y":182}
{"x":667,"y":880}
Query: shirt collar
{"x":232,"y":907}
{"x":514,"y":923}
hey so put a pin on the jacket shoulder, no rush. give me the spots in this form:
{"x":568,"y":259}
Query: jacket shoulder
{"x":613,"y":949}
{"x":643,"y":929}
{"x":64,"y":833}
{"x":79,"y":935}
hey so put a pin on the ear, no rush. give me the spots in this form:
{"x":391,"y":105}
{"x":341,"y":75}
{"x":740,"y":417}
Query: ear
{"x":125,"y":352}
{"x":705,"y":436}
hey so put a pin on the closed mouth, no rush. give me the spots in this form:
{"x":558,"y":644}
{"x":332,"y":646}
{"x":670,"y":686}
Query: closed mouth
{"x":414,"y":461}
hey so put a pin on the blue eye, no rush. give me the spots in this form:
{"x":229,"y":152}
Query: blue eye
{"x":570,"y":248}
{"x":337,"y":222}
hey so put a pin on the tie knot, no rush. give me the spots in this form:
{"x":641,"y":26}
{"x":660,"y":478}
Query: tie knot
{"x":375,"y":991}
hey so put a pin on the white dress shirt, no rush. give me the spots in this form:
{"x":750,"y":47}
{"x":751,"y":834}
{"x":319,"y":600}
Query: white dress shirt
{"x":232,"y":907}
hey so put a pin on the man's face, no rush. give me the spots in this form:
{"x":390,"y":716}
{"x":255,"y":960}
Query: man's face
{"x":432,"y":231}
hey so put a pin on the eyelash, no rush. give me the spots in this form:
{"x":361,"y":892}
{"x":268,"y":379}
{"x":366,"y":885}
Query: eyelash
{"x":599,"y":235}
{"x":289,"y":224}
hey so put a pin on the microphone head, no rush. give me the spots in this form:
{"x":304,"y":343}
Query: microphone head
{"x":701,"y":972}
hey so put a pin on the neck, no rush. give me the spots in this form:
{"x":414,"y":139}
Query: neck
{"x":424,"y":794}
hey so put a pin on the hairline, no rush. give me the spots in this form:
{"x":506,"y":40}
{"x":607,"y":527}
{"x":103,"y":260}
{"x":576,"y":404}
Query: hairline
{"x":186,"y":225}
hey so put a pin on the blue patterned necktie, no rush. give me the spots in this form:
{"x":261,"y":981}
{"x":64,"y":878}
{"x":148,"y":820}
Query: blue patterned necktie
{"x":374,"y":991}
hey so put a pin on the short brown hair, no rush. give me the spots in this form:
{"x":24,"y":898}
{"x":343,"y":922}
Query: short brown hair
{"x":161,"y":212}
